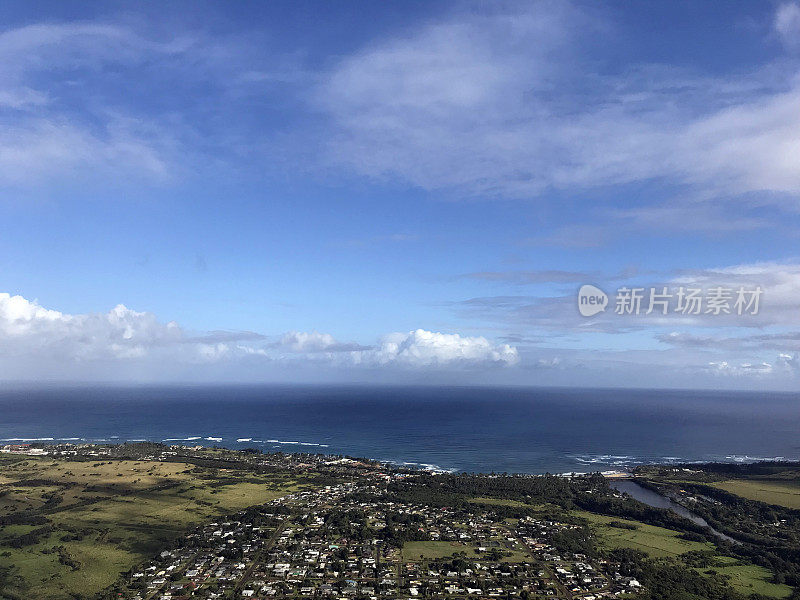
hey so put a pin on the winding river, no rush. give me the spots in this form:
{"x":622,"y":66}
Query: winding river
{"x":656,"y":500}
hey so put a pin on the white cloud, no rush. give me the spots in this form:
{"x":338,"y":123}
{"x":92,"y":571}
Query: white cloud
{"x":783,"y":341}
{"x":299,"y":341}
{"x":58,"y":119}
{"x":741,"y":369}
{"x":780,"y":298}
{"x":22,"y":97}
{"x":787,"y":23}
{"x":422,"y":348}
{"x":488,"y":103}
{"x":789,"y":362}
{"x":30,"y":330}
{"x":557,"y":314}
{"x":37,"y":342}
{"x":745,"y":148}
{"x":653,"y":350}
{"x":43,"y":149}
{"x":509,"y":105}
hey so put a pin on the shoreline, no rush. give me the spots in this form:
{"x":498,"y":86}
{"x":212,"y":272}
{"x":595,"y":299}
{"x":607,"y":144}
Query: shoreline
{"x":39,"y":446}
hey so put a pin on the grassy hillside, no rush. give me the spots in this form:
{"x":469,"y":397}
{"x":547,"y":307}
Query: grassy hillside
{"x":80,"y":524}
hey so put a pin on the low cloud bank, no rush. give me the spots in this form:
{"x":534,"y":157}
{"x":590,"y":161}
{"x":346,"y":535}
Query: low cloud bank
{"x":36,"y":341}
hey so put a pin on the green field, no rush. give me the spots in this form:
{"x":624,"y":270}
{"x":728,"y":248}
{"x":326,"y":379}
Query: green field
{"x":655,"y":541}
{"x":749,"y":579}
{"x":772,"y":491}
{"x":416,"y":551}
{"x":111,"y":516}
{"x":422,"y":551}
{"x":661,"y":542}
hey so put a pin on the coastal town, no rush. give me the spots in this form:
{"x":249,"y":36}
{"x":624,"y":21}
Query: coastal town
{"x":322,"y":545}
{"x":150,"y":521}
{"x":350,"y":539}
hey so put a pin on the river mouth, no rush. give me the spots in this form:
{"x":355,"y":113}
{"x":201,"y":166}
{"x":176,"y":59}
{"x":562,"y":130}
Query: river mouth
{"x":656,"y":500}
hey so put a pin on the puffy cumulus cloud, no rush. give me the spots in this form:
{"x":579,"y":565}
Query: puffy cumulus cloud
{"x":422,"y":348}
{"x":26,"y":328}
{"x":37,"y":342}
{"x":549,"y":363}
{"x":18,"y":314}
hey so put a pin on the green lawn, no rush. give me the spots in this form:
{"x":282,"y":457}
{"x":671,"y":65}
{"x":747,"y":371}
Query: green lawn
{"x":416,"y":551}
{"x":421,"y":551}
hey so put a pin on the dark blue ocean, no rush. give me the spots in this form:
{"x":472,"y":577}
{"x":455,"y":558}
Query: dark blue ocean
{"x":464,"y":429}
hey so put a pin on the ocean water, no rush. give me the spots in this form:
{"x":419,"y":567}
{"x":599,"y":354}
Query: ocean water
{"x":462,"y":429}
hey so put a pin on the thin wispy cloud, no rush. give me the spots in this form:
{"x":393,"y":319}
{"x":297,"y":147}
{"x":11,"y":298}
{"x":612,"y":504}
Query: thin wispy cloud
{"x":787,"y":24}
{"x":504,"y":103}
{"x":511,"y":105}
{"x":551,"y":276}
{"x":59,"y":124}
{"x":779,"y":283}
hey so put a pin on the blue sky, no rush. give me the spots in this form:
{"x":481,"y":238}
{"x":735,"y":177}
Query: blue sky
{"x":397,"y":191}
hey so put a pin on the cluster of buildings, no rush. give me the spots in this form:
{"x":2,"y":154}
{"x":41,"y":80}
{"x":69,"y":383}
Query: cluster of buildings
{"x":25,"y":449}
{"x":296,"y":461}
{"x":576,"y":573}
{"x":334,"y":544}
